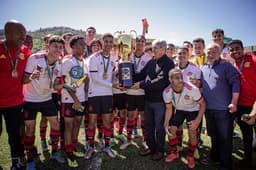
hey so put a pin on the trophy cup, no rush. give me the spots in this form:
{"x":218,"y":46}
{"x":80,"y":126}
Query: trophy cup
{"x":68,"y":85}
{"x":125,"y":68}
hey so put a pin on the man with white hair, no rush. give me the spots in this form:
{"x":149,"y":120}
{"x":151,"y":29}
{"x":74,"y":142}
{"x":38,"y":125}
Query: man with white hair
{"x":153,"y":78}
{"x":221,"y":85}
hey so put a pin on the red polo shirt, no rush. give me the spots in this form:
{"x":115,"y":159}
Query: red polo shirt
{"x":11,"y":88}
{"x":248,"y":81}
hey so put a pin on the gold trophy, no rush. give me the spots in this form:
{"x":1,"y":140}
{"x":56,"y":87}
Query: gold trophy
{"x":125,"y":67}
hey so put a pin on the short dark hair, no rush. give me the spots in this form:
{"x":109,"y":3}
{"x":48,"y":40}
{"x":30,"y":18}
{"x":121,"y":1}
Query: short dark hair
{"x":218,"y":30}
{"x":107,"y":35}
{"x":67,"y":34}
{"x":97,"y":41}
{"x":187,"y":42}
{"x":236,"y":42}
{"x":74,"y":39}
{"x":57,"y":39}
{"x":183,"y":48}
{"x":148,"y":48}
{"x":170,"y":45}
{"x":197,"y":40}
{"x":90,"y":28}
{"x":139,"y":37}
{"x":46,"y":37}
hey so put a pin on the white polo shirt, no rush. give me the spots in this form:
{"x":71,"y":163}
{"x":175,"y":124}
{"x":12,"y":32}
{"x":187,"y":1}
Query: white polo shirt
{"x":100,"y":86}
{"x":186,"y":100}
{"x":39,"y":90}
{"x":139,"y":64}
{"x":67,"y":66}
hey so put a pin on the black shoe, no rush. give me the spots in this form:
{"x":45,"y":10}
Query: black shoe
{"x":157,"y":156}
{"x":245,"y":163}
{"x":17,"y":166}
{"x":35,"y":152}
{"x":145,"y":152}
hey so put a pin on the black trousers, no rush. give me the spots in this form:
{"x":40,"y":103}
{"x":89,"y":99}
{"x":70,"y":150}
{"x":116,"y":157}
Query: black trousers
{"x":13,"y":121}
{"x":247,"y":131}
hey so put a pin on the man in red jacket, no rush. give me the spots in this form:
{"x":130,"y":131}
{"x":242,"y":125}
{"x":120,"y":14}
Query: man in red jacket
{"x":13,"y":58}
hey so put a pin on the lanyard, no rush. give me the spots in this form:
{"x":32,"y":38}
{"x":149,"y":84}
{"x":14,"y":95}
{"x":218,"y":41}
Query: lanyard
{"x":50,"y":71}
{"x":173,"y":98}
{"x":105,"y":66}
{"x":13,"y":65}
{"x":136,"y":64}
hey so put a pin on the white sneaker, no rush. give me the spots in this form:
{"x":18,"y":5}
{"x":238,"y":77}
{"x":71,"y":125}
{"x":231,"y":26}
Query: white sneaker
{"x":124,"y":145}
{"x":110,"y":152}
{"x":89,"y":152}
{"x":144,"y":144}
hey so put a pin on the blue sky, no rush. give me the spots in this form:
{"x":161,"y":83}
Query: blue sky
{"x":172,"y":20}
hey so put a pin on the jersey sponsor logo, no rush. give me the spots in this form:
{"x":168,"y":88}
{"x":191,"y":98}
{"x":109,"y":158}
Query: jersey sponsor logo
{"x":56,"y":71}
{"x":186,"y":97}
{"x":247,"y":64}
{"x":189,"y":73}
{"x":21,"y":56}
{"x":2,"y":56}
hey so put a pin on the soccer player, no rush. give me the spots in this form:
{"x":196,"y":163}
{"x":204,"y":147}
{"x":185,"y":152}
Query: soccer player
{"x":136,"y":97}
{"x":188,"y":104}
{"x":41,"y":71}
{"x":101,"y":66}
{"x":74,"y":104}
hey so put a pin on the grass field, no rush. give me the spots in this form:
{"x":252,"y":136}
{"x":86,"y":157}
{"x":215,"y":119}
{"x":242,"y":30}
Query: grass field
{"x":125,"y":160}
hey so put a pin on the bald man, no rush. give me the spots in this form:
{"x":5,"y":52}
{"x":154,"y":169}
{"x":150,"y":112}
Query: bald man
{"x":13,"y":58}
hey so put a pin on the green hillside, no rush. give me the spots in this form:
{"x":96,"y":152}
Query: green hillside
{"x":40,"y":33}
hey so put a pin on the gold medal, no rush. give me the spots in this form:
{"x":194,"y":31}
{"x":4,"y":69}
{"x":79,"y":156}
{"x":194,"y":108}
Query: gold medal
{"x":14,"y":74}
{"x":105,"y":76}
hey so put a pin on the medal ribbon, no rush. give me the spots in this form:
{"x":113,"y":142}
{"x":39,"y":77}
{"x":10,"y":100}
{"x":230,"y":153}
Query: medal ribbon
{"x":136,"y":64}
{"x":50,"y":71}
{"x":14,"y":66}
{"x":105,"y":66}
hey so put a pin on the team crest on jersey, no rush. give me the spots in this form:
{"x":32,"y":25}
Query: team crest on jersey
{"x":56,"y":71}
{"x":2,"y":56}
{"x":143,"y":63}
{"x":76,"y":72}
{"x":189,"y":73}
{"x":21,"y":56}
{"x":186,"y":97}
{"x":247,"y":64}
{"x":167,"y":89}
{"x":188,"y":86}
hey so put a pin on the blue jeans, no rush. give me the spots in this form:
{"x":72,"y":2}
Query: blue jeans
{"x":154,"y":125}
{"x":220,"y":127}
